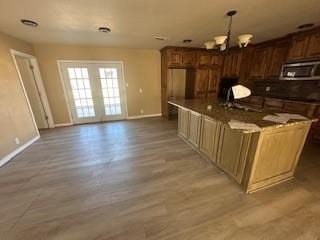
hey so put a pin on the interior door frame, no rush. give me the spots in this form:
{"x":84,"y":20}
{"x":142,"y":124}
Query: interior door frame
{"x":66,"y":98}
{"x":38,"y":80}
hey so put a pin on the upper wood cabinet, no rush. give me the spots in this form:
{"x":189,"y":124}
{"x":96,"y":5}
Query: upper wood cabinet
{"x":313,"y":49}
{"x":188,"y":58}
{"x":298,"y":47}
{"x":278,"y":56}
{"x":181,"y":58}
{"x":209,"y":59}
{"x":206,"y":84}
{"x":259,"y":62}
{"x":213,"y":84}
{"x":201,"y":83}
{"x":232,"y":64}
{"x":174,"y":57}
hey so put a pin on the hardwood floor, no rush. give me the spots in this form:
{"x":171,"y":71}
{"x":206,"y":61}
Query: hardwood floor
{"x":136,"y":180}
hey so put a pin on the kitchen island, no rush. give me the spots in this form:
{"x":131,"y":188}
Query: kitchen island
{"x":255,"y":159}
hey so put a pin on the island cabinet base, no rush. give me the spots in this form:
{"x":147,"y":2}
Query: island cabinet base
{"x":254,"y":160}
{"x":274,"y":155}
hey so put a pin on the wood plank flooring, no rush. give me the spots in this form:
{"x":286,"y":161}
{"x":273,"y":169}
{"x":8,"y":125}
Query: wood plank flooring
{"x":136,"y":180}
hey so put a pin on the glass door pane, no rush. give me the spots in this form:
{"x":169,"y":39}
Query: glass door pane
{"x":110,"y":91}
{"x":81,"y":91}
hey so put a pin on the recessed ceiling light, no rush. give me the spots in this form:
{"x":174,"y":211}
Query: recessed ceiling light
{"x":162,"y":38}
{"x":307,"y":25}
{"x":104,"y":29}
{"x":29,"y":23}
{"x":187,"y":41}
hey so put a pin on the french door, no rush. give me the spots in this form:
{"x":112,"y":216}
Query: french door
{"x":95,"y":91}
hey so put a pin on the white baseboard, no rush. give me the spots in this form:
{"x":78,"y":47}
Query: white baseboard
{"x":63,"y":124}
{"x":144,"y":116}
{"x":7,"y":158}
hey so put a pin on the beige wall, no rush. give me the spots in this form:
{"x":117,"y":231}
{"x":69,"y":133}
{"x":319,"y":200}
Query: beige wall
{"x":15,"y":117}
{"x":141,"y":70}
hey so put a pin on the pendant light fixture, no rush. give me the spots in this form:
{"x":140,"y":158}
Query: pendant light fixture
{"x":222,"y":43}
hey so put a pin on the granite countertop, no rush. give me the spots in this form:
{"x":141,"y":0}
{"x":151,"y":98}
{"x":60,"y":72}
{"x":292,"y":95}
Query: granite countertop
{"x":224,"y":115}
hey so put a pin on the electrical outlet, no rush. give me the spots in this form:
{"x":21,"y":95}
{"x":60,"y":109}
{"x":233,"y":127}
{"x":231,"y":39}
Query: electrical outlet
{"x":140,"y":90}
{"x":17,"y":140}
{"x":268,"y":89}
{"x":127,"y":84}
{"x":141,"y":111}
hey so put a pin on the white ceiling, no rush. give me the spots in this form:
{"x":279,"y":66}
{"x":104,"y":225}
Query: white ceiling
{"x":135,"y":23}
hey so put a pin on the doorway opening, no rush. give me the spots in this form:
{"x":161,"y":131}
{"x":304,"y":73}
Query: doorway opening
{"x":94,"y":90}
{"x":32,"y":85}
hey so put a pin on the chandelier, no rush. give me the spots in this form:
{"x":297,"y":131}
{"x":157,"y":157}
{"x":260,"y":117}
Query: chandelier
{"x":222,"y":43}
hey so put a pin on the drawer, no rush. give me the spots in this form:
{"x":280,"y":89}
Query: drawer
{"x":274,"y":104}
{"x":256,"y":101}
{"x":243,"y":100}
{"x":295,"y":107}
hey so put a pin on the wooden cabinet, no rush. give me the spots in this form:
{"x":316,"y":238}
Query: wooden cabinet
{"x":256,"y":101}
{"x":201,"y":83}
{"x":233,"y":151}
{"x":213,"y":84}
{"x":183,"y":122}
{"x":298,"y":47}
{"x":313,"y":49}
{"x":232,"y":65}
{"x":209,"y":138}
{"x":178,"y":58}
{"x":255,"y":160}
{"x":278,"y":57}
{"x":315,"y":131}
{"x":209,"y":60}
{"x":194,"y":128}
{"x":188,"y":59}
{"x":174,"y":57}
{"x":206,"y":83}
{"x":273,"y":104}
{"x":278,"y":155}
{"x":259,"y":62}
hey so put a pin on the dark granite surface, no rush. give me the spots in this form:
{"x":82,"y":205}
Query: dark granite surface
{"x":224,"y":115}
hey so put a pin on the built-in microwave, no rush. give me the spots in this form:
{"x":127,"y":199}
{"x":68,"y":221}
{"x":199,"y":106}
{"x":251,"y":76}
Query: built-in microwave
{"x":301,"y":71}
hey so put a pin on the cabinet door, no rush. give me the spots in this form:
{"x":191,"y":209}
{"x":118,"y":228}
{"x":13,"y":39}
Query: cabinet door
{"x":204,"y":59}
{"x":233,"y":151}
{"x":183,"y":122}
{"x":236,"y":64}
{"x":188,"y":58}
{"x":313,"y":49}
{"x":298,"y":47}
{"x":277,"y":59}
{"x":201,"y":84}
{"x":209,"y":138}
{"x":227,"y":66}
{"x":208,"y":59}
{"x":214,"y":77}
{"x":174,"y":57}
{"x":194,"y":128}
{"x":259,"y":63}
